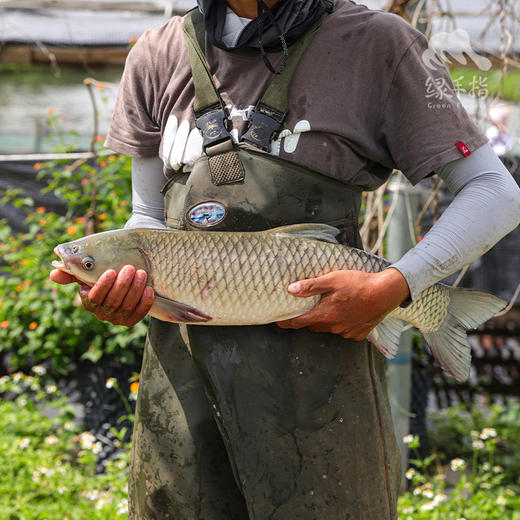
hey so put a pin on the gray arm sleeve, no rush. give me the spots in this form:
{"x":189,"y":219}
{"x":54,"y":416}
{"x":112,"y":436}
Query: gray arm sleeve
{"x":486,"y":207}
{"x":147,"y":199}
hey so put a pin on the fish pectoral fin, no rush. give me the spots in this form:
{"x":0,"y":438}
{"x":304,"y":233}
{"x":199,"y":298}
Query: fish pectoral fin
{"x":170,"y":310}
{"x":385,"y":336}
{"x":322,"y":232}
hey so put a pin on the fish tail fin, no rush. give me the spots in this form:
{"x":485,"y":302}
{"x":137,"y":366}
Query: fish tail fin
{"x":467,"y":309}
{"x":385,"y":336}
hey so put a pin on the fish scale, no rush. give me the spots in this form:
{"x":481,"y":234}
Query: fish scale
{"x":220,"y":278}
{"x":243,"y":266}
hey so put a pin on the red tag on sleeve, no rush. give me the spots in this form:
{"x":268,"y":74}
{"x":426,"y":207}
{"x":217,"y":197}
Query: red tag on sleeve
{"x":463,"y":148}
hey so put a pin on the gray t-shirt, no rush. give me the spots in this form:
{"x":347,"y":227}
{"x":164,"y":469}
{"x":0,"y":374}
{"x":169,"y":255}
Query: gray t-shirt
{"x":362,"y":100}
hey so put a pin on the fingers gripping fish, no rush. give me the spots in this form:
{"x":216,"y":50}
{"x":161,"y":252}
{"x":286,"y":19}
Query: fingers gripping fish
{"x":223,"y":278}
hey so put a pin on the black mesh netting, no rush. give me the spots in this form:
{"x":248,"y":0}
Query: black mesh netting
{"x":102,"y":406}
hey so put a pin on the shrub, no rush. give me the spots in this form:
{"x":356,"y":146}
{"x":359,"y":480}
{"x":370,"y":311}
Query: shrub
{"x":40,"y":320}
{"x":452,"y":431}
{"x":48,"y":462}
{"x":470,"y":476}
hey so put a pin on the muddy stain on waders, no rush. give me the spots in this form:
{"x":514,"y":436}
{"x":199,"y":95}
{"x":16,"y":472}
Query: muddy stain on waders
{"x":259,"y":422}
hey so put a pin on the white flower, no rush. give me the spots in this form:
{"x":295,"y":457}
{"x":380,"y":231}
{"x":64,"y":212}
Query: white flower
{"x":122,"y":508}
{"x":407,"y":439}
{"x":485,"y":485}
{"x":121,"y":464}
{"x":478,"y":444}
{"x":485,"y":466}
{"x":110,"y":382}
{"x":461,"y":518}
{"x":36,"y":476}
{"x":409,"y":474}
{"x":92,"y":494}
{"x":498,"y":469}
{"x":23,"y":443}
{"x":501,"y":501}
{"x":97,"y":447}
{"x":61,"y":489}
{"x":17,"y":376}
{"x":428,"y":506}
{"x":50,"y":389}
{"x":69,"y":426}
{"x":86,"y":440}
{"x":474,"y":434}
{"x":408,"y":510}
{"x":4,"y":380}
{"x":441,"y":497}
{"x":39,"y":370}
{"x":428,"y":493}
{"x":50,"y":440}
{"x":457,"y":464}
{"x":22,"y":403}
{"x":48,"y":472}
{"x":488,"y":433}
{"x":417,"y":490}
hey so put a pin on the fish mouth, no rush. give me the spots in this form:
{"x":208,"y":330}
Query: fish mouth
{"x":60,"y":264}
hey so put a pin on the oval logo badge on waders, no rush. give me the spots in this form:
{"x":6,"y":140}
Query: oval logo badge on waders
{"x":206,"y":214}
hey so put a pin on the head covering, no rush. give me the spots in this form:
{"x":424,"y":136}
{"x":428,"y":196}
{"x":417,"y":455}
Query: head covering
{"x":273,"y":30}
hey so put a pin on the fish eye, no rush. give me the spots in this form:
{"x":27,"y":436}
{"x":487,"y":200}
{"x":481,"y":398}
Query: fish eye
{"x":74,"y":249}
{"x":88,"y":263}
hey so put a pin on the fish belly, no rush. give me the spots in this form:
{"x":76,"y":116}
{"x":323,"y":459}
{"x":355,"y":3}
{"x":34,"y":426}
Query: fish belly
{"x":242,"y":278}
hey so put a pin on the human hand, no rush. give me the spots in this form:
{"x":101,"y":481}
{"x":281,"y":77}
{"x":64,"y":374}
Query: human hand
{"x":352,"y":302}
{"x":120,"y":298}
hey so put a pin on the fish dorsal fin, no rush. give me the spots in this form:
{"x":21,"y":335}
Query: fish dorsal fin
{"x":322,"y":232}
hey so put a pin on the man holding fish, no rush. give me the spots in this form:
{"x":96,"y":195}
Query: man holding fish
{"x":272,"y":114}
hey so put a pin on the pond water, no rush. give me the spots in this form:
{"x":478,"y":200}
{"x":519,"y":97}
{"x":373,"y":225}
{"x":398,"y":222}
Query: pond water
{"x":28,"y":94}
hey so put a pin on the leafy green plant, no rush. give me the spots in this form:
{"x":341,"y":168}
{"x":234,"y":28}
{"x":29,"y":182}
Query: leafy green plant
{"x":48,"y":463}
{"x":454,"y":430}
{"x":465,"y":489}
{"x":40,"y":320}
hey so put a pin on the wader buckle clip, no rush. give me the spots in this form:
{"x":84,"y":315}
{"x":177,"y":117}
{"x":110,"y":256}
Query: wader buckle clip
{"x":264,"y":124}
{"x":212,"y":125}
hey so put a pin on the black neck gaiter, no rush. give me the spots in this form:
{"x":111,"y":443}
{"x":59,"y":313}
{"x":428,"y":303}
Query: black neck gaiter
{"x":286,"y":21}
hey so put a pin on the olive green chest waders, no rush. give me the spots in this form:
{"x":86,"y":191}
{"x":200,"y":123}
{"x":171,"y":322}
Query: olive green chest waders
{"x":259,"y":422}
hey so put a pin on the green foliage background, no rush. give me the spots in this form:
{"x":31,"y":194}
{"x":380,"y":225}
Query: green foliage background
{"x":40,"y":320}
{"x":471,"y":81}
{"x":485,"y":482}
{"x":48,"y":463}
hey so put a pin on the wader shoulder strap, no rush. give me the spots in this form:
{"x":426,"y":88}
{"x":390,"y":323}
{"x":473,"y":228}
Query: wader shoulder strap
{"x":276,"y":95}
{"x":208,"y":107}
{"x":271,"y":109}
{"x":268,"y":115}
{"x":206,"y":94}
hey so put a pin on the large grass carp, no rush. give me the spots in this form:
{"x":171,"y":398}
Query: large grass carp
{"x":223,"y":278}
